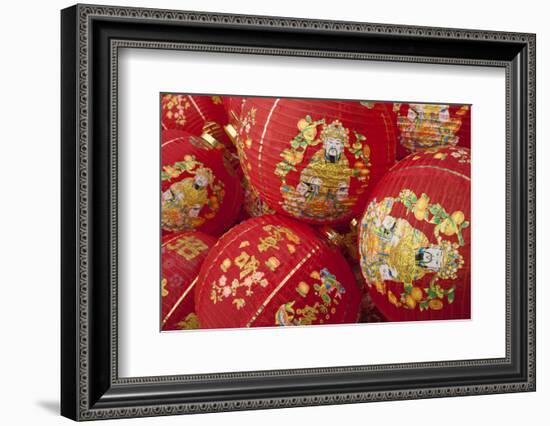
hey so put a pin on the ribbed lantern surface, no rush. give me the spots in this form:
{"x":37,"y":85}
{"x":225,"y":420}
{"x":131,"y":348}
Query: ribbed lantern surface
{"x":427,"y":126}
{"x":233,"y":107}
{"x":200,"y":188}
{"x":274,"y":271}
{"x":314,"y":160}
{"x":195,"y":114}
{"x":182,"y":255}
{"x":414,"y":238}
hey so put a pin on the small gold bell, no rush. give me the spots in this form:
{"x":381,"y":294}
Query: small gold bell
{"x":332,"y":236}
{"x":211,"y":133}
{"x":231,"y":132}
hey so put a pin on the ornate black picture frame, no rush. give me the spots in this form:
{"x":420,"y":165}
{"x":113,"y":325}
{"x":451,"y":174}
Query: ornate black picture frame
{"x":91,"y":36}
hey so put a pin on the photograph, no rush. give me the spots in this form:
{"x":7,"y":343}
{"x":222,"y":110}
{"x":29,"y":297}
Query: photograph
{"x":294,"y":212}
{"x":265,"y":210}
{"x":254,"y":213}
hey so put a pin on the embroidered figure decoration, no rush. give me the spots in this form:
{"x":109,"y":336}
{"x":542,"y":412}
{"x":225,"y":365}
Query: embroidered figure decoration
{"x":393,"y":250}
{"x":429,"y":126}
{"x":323,"y":189}
{"x":184,"y":202}
{"x":188,"y":197}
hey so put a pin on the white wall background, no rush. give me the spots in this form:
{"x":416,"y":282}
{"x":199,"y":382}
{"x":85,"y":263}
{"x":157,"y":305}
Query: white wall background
{"x":29,"y":225}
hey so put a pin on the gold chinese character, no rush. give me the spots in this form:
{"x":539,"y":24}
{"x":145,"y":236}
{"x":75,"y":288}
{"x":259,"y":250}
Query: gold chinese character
{"x":225,"y":265}
{"x":275,"y":235}
{"x":188,"y":247}
{"x":272,"y":263}
{"x":246,"y":263}
{"x":267,"y":243}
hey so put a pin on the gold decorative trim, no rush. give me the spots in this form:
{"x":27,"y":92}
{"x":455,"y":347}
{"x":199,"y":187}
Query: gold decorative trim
{"x":438,"y":168}
{"x":170,"y":240}
{"x":260,"y":149}
{"x":179,"y":138}
{"x":196,"y":107}
{"x":185,"y":293}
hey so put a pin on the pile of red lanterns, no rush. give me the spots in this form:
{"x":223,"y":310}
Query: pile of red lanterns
{"x":287,"y":212}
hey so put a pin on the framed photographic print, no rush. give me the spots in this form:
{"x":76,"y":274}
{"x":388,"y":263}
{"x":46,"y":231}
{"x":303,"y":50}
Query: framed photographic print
{"x":263,"y":212}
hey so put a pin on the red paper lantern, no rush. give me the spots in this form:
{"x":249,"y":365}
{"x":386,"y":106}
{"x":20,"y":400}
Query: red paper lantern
{"x":414,"y":238}
{"x":182,"y":255}
{"x":314,"y":159}
{"x":233,"y":106}
{"x":200,"y":188}
{"x":271,"y":270}
{"x":196,"y":115}
{"x":427,"y":126}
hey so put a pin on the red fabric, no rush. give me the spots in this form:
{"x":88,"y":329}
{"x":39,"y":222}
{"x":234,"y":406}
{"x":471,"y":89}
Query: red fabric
{"x":409,"y":242}
{"x":284,"y":149}
{"x":182,"y":255}
{"x":200,"y":188}
{"x":272,"y":270}
{"x":195,"y":114}
{"x":431,"y":127}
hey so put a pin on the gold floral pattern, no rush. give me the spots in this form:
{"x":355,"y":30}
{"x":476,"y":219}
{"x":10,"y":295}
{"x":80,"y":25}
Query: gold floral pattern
{"x":327,"y":289}
{"x":174,"y":107}
{"x":461,"y":155}
{"x":223,"y":289}
{"x":253,"y":204}
{"x":250,"y":275}
{"x":243,"y":139}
